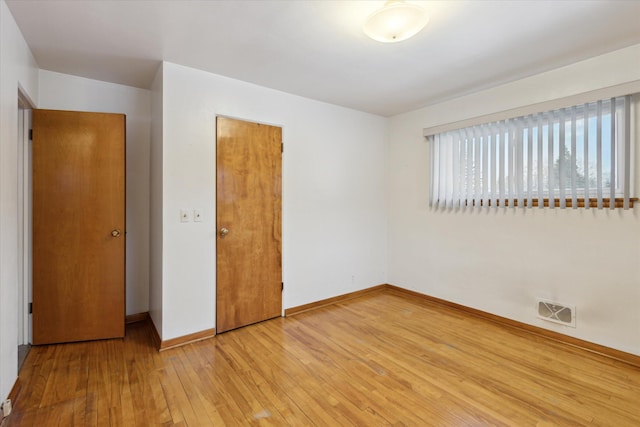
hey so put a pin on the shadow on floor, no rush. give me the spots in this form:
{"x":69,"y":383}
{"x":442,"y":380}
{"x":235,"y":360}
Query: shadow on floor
{"x":23,"y":350}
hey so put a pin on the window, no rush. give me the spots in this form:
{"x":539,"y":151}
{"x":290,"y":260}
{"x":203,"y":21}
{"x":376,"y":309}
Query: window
{"x":578,"y":156}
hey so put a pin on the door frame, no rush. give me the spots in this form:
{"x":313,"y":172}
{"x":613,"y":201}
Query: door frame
{"x":25,"y":105}
{"x":215,"y":208}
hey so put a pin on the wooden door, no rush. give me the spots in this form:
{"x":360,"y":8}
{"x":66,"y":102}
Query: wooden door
{"x":249,"y":205}
{"x":78,"y":226}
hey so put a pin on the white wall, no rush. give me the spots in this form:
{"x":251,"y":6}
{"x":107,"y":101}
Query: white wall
{"x":65,"y":92}
{"x":17,"y":69}
{"x":499,"y":261}
{"x":334,"y":213}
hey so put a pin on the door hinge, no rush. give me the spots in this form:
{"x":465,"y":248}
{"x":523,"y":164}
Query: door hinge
{"x":282,"y":288}
{"x":30,"y":308}
{"x":282,"y":147}
{"x":30,"y":134}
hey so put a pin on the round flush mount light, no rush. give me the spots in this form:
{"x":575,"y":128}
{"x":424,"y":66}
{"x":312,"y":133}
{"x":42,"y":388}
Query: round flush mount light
{"x":395,"y":21}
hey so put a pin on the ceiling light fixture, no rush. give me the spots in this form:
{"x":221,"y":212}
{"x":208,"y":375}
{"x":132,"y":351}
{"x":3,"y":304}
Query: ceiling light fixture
{"x":395,"y":21}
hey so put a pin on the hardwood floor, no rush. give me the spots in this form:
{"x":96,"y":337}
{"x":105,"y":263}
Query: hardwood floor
{"x":380,"y":359}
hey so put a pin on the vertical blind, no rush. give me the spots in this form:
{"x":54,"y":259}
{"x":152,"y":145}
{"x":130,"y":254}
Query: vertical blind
{"x":560,"y":157}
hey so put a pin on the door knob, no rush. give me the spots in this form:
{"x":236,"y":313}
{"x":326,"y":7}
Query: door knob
{"x":115,"y":233}
{"x":224,"y":232}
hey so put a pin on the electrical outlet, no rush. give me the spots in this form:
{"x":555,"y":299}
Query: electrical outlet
{"x":6,"y":408}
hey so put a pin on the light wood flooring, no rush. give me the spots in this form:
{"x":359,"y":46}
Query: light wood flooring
{"x":381,"y":359}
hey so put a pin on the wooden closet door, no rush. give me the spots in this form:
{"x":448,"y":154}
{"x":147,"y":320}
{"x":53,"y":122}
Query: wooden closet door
{"x":78,"y":226}
{"x":249,"y":219}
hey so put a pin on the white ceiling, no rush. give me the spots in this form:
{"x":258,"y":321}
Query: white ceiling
{"x":316,"y":49}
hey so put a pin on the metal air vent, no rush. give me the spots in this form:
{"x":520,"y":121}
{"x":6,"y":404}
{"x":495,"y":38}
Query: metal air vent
{"x":556,"y":312}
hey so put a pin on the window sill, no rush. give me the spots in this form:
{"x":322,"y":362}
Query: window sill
{"x":593,"y":202}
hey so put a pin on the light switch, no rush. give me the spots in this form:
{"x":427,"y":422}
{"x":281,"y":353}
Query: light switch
{"x":185,"y":215}
{"x":197,"y":215}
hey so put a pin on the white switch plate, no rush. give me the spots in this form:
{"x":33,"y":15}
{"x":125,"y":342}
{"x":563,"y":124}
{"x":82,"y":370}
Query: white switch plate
{"x":197,"y":215}
{"x":185,"y":215}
